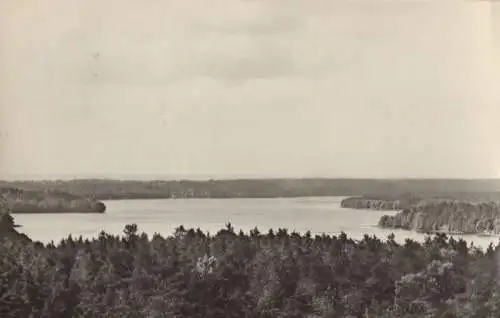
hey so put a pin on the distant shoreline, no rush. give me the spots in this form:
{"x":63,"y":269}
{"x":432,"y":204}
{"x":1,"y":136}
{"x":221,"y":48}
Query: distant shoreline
{"x":51,"y":212}
{"x":105,"y":189}
{"x":120,"y":198}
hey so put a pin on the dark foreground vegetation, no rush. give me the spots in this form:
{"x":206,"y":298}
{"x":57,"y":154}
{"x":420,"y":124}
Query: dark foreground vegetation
{"x":264,"y":188}
{"x":228,"y":274}
{"x":8,"y":226}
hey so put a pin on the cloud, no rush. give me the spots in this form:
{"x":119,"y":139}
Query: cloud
{"x":259,"y":87}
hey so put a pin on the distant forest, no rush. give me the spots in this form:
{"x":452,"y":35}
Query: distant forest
{"x":486,"y":189}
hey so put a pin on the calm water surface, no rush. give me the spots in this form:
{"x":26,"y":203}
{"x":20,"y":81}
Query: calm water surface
{"x":319,"y":215}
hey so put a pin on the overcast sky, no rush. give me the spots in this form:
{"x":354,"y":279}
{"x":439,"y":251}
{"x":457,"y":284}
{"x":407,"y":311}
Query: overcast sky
{"x":249,"y":88}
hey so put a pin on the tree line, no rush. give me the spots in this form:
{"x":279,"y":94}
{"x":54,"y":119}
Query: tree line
{"x":48,"y":201}
{"x":233,"y":274}
{"x":102,"y":189}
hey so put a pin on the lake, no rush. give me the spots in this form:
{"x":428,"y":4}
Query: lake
{"x":318,"y":215}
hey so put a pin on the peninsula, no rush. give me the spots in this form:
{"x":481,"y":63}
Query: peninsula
{"x":451,"y":213}
{"x":447,"y":216}
{"x":48,"y":201}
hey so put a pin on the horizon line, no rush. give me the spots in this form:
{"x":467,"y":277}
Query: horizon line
{"x":235,"y":178}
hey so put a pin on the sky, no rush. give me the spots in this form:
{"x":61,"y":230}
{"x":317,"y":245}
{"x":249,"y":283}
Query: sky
{"x":249,"y":88}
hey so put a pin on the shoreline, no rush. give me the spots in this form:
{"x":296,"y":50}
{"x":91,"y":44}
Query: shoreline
{"x":436,"y":232}
{"x":55,"y":212}
{"x":223,"y":198}
{"x":433,"y":215}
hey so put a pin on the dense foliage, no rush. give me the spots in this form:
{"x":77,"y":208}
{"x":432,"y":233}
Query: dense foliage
{"x":7,"y":225}
{"x":397,"y":202}
{"x":277,"y":274}
{"x":123,"y":189}
{"x":457,"y":217}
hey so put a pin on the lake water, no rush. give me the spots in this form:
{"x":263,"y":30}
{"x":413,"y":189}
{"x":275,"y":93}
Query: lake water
{"x":319,"y":215}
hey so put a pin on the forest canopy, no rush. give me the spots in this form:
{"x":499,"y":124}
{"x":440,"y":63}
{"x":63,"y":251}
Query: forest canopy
{"x":233,"y":274}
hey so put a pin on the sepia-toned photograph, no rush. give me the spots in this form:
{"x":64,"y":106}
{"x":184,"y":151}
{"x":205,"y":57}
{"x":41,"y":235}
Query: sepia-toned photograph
{"x":249,"y":158}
